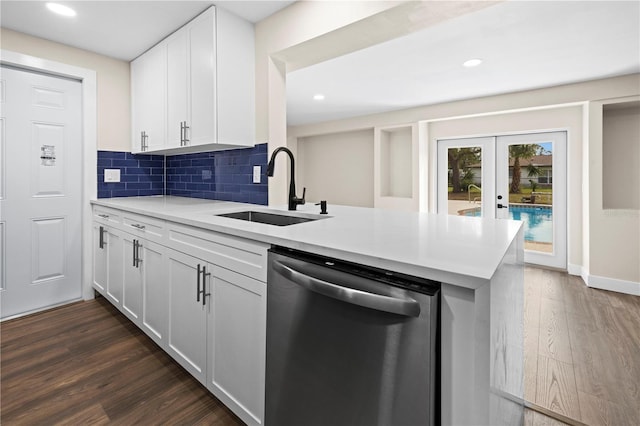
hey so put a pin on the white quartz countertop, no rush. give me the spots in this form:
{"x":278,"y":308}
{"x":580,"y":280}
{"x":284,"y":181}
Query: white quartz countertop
{"x":464,"y":251}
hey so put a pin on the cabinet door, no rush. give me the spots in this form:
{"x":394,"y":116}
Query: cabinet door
{"x":177,"y":86}
{"x":202,"y":79}
{"x":115,"y":272}
{"x":235,"y":76}
{"x":236,"y":336}
{"x":186,"y":341}
{"x":100,"y":257}
{"x":148,"y":99}
{"x":155,"y":292}
{"x":132,"y":279}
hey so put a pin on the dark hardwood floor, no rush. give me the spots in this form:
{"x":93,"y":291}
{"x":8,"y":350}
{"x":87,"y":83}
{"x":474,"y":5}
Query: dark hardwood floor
{"x":85,"y":363}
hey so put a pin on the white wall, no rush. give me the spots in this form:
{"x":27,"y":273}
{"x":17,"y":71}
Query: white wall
{"x":337,"y":168}
{"x":614,"y":234}
{"x":621,"y":156}
{"x":114,"y":111}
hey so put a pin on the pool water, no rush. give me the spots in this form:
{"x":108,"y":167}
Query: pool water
{"x":538,"y":221}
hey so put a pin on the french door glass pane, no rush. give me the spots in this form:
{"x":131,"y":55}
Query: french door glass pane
{"x":530,"y":192}
{"x":464,"y":181}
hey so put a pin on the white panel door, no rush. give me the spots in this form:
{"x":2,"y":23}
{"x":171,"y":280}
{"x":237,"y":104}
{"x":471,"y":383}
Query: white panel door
{"x":41,"y":191}
{"x":186,"y":341}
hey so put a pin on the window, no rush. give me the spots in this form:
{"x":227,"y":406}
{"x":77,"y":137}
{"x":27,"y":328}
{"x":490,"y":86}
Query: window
{"x":546,"y":177}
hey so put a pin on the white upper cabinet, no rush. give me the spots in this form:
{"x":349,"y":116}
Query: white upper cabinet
{"x":236,"y":79}
{"x":208,"y":90}
{"x":148,"y":100}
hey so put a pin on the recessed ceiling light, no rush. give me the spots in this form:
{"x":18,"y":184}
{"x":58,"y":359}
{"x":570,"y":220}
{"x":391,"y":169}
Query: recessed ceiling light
{"x":61,"y":9}
{"x":318,"y":97}
{"x":472,"y":63}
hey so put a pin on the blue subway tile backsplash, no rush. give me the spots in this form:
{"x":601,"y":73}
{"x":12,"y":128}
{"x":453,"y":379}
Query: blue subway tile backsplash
{"x":214,"y":175}
{"x":140,"y":174}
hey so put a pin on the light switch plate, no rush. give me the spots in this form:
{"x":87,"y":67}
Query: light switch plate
{"x":112,"y":175}
{"x":257,"y":170}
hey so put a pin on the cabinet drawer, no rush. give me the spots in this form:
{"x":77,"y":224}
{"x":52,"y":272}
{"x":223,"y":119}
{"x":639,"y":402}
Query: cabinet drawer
{"x":106,"y":215}
{"x":144,"y":226}
{"x":237,"y":254}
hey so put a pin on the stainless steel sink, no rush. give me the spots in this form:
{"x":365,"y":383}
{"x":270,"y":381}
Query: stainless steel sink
{"x":268,"y":218}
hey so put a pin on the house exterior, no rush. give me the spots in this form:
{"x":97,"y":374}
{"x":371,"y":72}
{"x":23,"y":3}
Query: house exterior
{"x":543,"y":179}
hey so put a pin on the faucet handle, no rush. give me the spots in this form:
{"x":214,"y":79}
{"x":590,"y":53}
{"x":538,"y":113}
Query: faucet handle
{"x":301,"y":200}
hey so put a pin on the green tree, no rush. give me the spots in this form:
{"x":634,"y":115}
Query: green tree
{"x":522,"y":152}
{"x":461,"y":159}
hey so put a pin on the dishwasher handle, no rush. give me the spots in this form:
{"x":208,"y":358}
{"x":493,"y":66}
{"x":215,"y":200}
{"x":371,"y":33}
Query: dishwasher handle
{"x":406,"y":307}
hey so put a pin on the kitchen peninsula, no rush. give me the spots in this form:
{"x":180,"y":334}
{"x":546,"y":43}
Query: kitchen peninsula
{"x":478,"y":261}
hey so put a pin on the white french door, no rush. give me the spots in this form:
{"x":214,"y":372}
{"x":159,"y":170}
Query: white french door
{"x":41,"y":181}
{"x":520,"y":177}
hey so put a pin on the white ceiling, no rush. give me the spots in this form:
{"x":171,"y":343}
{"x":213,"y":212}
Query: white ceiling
{"x":524,"y":45}
{"x":120,"y":29}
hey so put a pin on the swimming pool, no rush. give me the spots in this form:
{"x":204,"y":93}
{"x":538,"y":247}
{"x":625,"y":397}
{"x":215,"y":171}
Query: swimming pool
{"x":538,"y":221}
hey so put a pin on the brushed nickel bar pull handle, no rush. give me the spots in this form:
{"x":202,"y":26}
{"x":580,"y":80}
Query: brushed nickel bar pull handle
{"x":101,"y":239}
{"x":182,"y":133}
{"x":104,"y":216}
{"x":133,"y":251}
{"x":205,"y":274}
{"x":137,"y":225}
{"x":186,"y":140}
{"x":138,"y":260}
{"x":198,"y":288}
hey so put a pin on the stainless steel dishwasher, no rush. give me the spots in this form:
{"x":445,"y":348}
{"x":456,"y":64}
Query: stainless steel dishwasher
{"x":349,"y":344}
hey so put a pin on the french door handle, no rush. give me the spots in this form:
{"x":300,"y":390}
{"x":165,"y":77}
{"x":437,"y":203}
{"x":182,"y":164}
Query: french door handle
{"x":503,"y":206}
{"x":205,"y":274}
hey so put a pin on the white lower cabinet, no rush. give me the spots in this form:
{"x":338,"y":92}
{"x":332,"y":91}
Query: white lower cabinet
{"x":236,"y":336}
{"x":115,"y":270}
{"x":209,"y":318}
{"x":100,"y":258}
{"x":155,"y":291}
{"x":144,"y":295}
{"x":132,"y":280}
{"x":187,"y":338}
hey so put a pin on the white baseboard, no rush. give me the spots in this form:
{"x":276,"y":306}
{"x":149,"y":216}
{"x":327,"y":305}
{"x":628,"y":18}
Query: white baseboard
{"x":574,"y":269}
{"x":612,"y":284}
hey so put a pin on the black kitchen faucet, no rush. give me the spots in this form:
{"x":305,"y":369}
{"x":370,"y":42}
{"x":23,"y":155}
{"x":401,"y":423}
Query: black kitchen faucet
{"x":293,"y":200}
